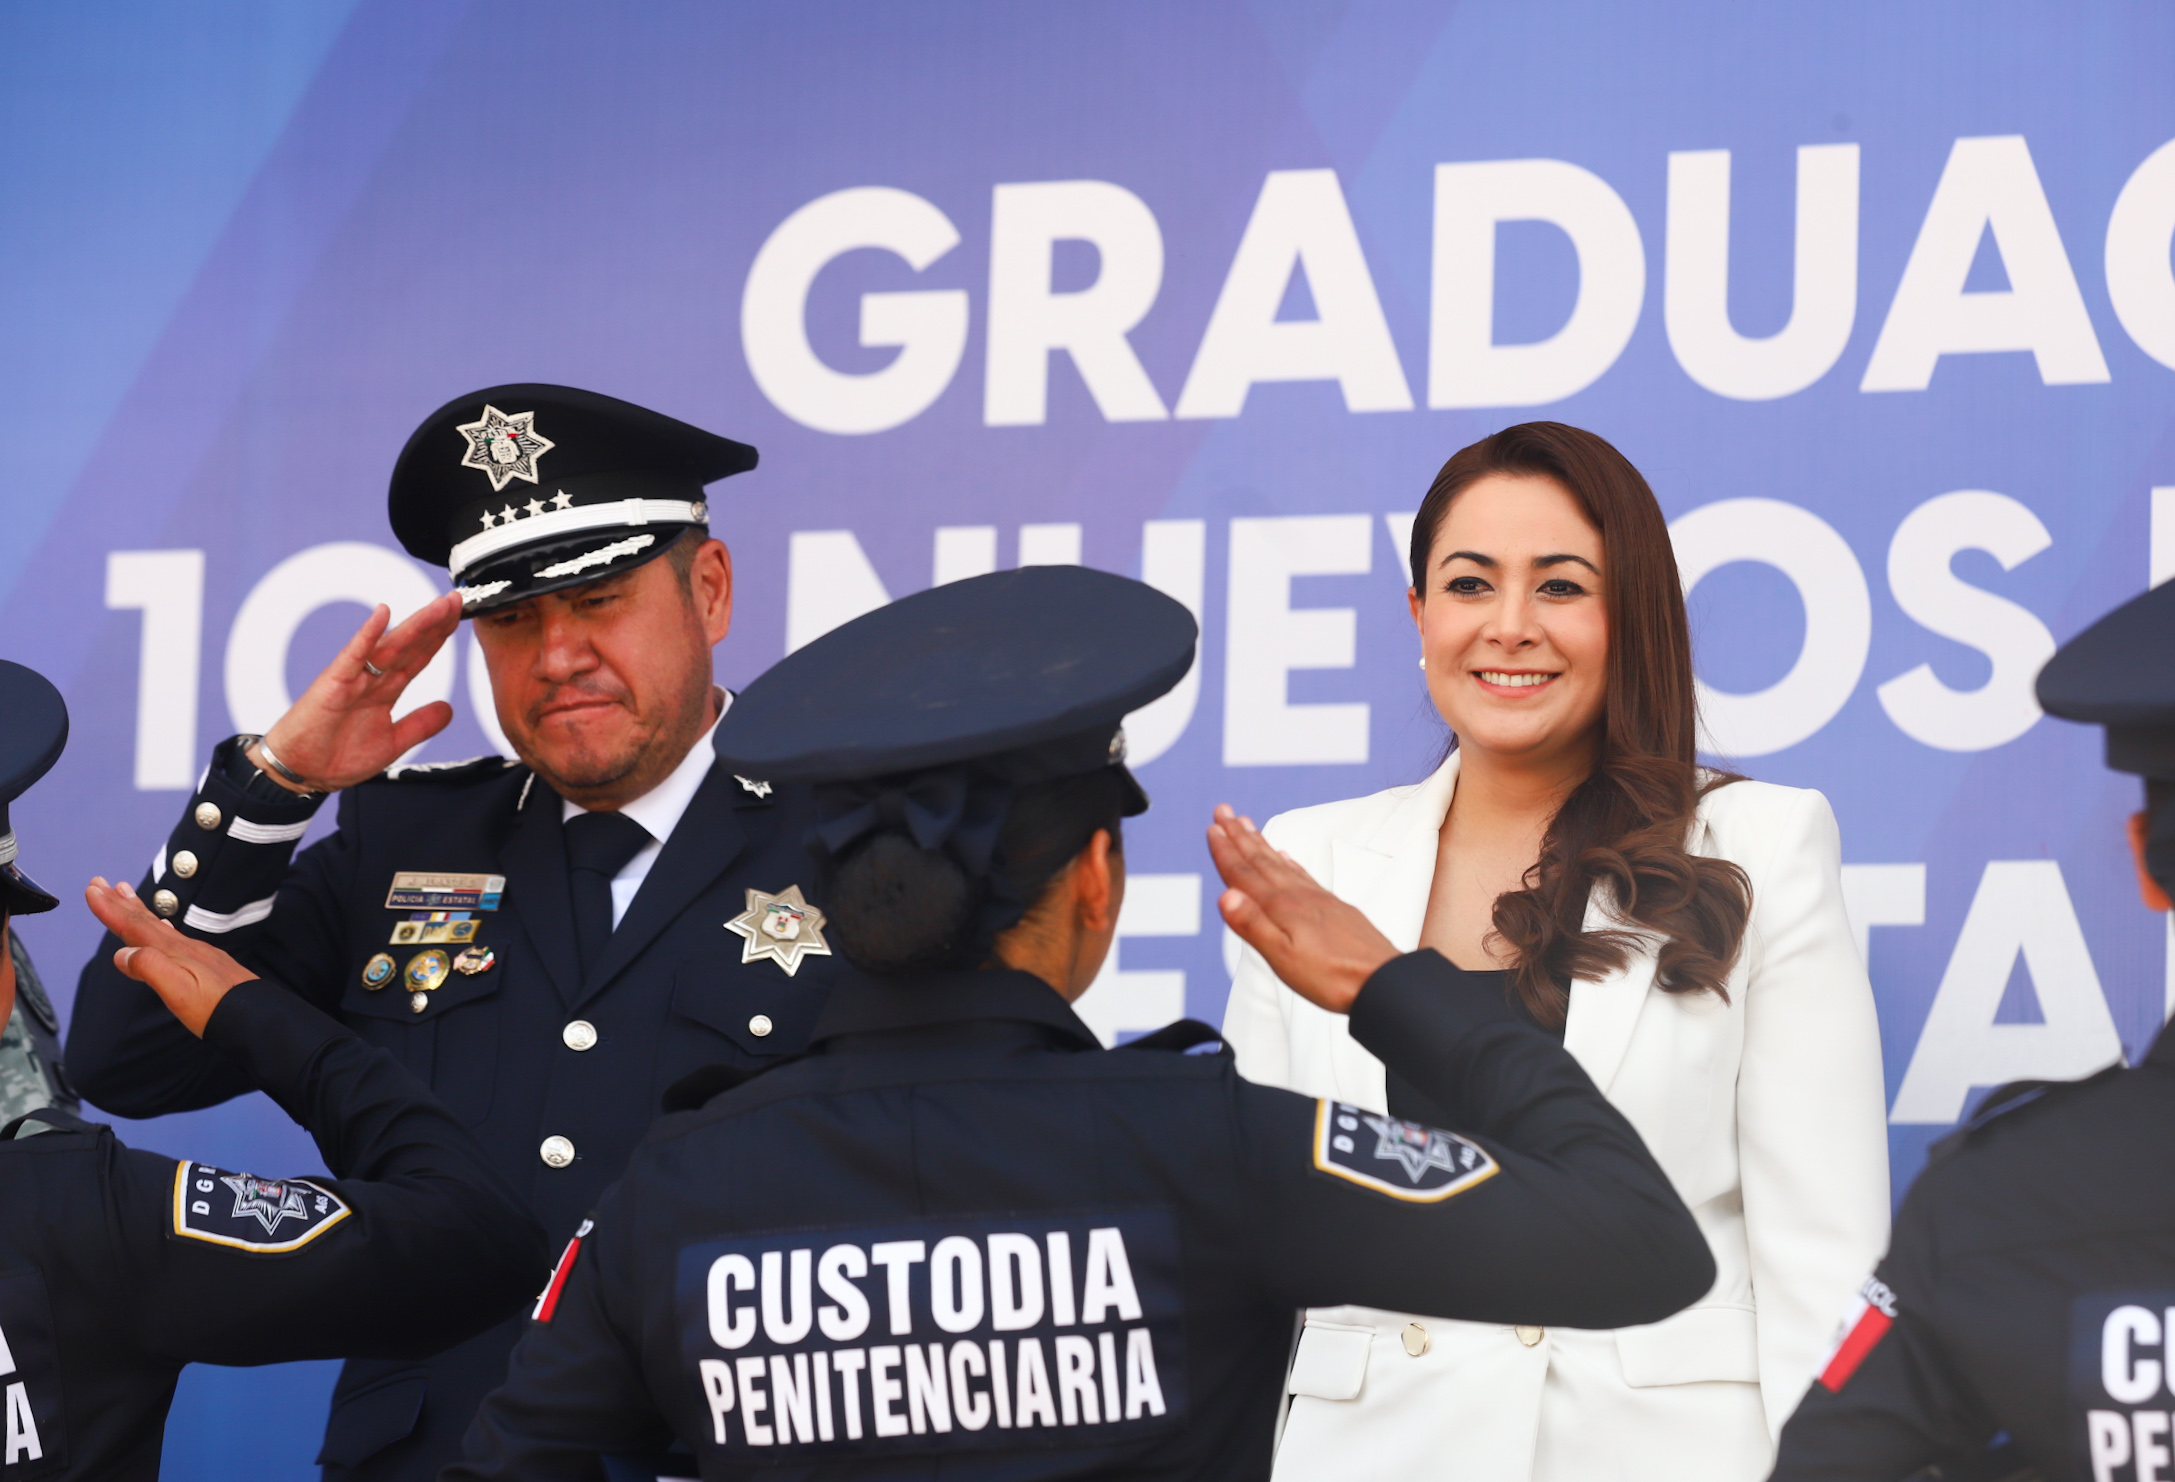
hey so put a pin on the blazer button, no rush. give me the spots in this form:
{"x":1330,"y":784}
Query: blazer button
{"x":1529,"y":1335}
{"x":760,"y":1026}
{"x":166,"y":903}
{"x":556,"y":1152}
{"x":580,"y":1035}
{"x":208,"y":817}
{"x":1416,"y":1340}
{"x":184,"y":864}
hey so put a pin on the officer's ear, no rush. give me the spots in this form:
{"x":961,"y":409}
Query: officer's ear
{"x":1099,"y":884}
{"x":2149,"y":890}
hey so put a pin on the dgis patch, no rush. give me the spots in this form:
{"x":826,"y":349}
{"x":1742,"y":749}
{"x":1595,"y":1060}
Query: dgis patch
{"x":1401,"y":1159}
{"x":267,"y":1216}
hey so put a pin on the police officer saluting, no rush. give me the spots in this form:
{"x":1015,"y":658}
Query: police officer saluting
{"x":960,"y":1239}
{"x":550,"y":942}
{"x":118,"y":1267}
{"x":2029,"y":1288}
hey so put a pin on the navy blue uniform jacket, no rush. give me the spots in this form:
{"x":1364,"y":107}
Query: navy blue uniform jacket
{"x":2029,"y":1289}
{"x":117,"y":1267}
{"x":960,"y":1240}
{"x":670,"y":995}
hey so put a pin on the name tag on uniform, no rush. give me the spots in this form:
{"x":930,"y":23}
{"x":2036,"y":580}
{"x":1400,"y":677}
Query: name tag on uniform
{"x":939,"y":1336}
{"x":421,"y":890}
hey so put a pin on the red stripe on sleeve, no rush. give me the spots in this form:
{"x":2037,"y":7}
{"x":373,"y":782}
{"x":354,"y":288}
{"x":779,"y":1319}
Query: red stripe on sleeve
{"x":1872,"y":1325}
{"x":548,"y":1303}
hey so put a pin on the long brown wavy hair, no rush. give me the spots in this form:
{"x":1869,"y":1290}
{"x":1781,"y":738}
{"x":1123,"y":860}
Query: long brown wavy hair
{"x":1625,"y":827}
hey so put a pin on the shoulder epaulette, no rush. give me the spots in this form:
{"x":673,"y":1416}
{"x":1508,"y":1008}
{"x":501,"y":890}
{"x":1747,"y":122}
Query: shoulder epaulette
{"x":464,"y":770}
{"x":2004,"y":1101}
{"x":1180,"y":1037}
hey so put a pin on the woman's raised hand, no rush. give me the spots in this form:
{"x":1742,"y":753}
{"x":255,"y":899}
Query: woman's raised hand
{"x":1322,"y":947}
{"x":189,"y":976}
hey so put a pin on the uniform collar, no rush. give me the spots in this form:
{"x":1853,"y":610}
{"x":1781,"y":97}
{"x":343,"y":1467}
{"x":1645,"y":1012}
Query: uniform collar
{"x":660,"y":809}
{"x":860,"y":1004}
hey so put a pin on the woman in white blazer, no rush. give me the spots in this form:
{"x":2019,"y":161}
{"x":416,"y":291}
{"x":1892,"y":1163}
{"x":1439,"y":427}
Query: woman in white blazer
{"x":1684,"y":931}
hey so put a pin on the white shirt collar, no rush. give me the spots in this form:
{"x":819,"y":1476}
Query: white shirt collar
{"x":659,"y":809}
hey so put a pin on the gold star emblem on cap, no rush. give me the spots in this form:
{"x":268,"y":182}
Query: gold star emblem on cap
{"x":504,"y":446}
{"x":781,"y":927}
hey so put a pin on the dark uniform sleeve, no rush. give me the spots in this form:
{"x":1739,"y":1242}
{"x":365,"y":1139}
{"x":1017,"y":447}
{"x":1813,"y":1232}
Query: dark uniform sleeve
{"x":1889,"y":1401}
{"x":415,"y":1244}
{"x":1545,"y":1207}
{"x":237,"y":890}
{"x":575,"y":1388}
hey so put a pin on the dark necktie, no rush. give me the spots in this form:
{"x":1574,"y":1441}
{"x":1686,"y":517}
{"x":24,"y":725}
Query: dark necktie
{"x":598,"y":846}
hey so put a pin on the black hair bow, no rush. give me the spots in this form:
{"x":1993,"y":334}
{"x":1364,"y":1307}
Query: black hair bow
{"x":948,"y":808}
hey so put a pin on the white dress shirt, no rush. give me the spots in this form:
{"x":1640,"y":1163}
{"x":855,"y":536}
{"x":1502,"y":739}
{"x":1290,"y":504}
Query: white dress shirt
{"x":659,"y":810}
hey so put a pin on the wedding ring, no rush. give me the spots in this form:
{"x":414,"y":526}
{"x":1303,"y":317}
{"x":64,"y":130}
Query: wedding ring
{"x":374,"y":670}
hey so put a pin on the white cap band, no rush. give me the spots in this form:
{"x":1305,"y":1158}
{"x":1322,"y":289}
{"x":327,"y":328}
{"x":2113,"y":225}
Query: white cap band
{"x":527,"y":529}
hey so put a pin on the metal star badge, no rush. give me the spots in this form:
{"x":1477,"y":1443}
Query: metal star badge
{"x":782,"y":927}
{"x":504,"y":447}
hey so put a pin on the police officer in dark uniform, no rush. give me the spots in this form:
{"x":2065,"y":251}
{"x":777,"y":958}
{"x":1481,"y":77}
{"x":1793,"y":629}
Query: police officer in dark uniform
{"x":549,"y":942}
{"x":2023,"y":1320}
{"x":118,"y":1267}
{"x":958,"y":1238}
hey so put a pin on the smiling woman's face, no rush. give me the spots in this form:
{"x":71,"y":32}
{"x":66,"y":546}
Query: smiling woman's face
{"x":1512,"y":621}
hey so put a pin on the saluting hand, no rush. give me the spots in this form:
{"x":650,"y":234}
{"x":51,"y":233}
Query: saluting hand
{"x":342,"y":730}
{"x":1324,"y":948}
{"x":189,"y":976}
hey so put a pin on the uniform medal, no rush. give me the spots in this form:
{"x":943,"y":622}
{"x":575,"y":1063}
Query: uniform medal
{"x":424,"y":972}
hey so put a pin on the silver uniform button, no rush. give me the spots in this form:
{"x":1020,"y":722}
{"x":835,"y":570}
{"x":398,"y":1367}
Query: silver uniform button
{"x":166,"y":903}
{"x":208,"y":816}
{"x":184,"y":864}
{"x":1530,"y":1335}
{"x":556,"y":1152}
{"x":579,"y":1035}
{"x":1415,"y":1339}
{"x":760,"y":1026}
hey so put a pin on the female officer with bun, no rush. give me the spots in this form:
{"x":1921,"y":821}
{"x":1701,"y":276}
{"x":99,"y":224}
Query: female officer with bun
{"x":957,"y":1236}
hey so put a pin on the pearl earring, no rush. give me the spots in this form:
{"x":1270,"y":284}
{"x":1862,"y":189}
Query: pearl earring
{"x":1423,"y":661}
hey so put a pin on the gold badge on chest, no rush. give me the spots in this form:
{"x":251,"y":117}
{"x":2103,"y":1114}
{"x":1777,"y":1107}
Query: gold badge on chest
{"x":781,"y":927}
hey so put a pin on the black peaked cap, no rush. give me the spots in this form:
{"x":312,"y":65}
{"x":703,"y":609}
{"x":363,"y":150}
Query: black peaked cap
{"x":33,"y":733}
{"x":1031,"y":671}
{"x":2120,"y":673}
{"x":529,"y":488}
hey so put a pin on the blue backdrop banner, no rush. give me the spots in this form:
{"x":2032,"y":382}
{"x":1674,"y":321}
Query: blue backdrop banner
{"x":1880,"y":299}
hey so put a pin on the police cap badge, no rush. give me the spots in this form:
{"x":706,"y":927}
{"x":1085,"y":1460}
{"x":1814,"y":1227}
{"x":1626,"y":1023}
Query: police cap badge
{"x":524,"y":489}
{"x":33,"y":731}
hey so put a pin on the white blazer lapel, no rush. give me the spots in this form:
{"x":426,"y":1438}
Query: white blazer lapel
{"x":1390,"y":873}
{"x":1604,"y":1011}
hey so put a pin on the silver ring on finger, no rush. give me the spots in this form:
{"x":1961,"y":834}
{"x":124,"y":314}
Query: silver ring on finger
{"x":374,"y":671}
